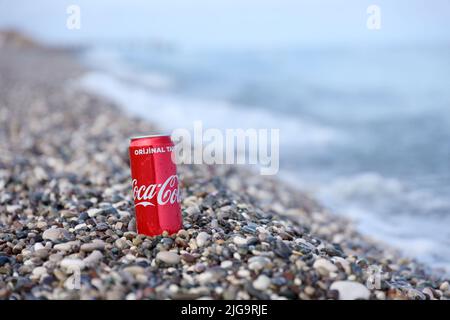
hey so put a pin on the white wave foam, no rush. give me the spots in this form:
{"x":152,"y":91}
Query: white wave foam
{"x":171,"y":111}
{"x":386,"y":209}
{"x":108,"y":62}
{"x":373,"y":189}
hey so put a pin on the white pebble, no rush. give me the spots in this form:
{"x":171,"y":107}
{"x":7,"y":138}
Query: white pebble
{"x":168,"y":257}
{"x":80,"y":226}
{"x":324,"y":266}
{"x":239,"y":241}
{"x":134,"y":270}
{"x":202,"y":239}
{"x":243,"y":273}
{"x":67,"y":246}
{"x":93,"y":212}
{"x":96,"y":244}
{"x":261,"y":283}
{"x":226,"y":264}
{"x":54,"y":234}
{"x":351,"y":290}
{"x":13,"y":208}
{"x":258,"y":263}
{"x":38,"y":246}
{"x":38,"y":272}
{"x":93,"y":258}
{"x":72,"y":264}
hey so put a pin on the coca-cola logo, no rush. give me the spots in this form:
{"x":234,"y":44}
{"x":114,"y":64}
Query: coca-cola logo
{"x":165,"y":193}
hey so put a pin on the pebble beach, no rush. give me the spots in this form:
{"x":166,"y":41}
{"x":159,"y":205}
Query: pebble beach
{"x":67,"y":227}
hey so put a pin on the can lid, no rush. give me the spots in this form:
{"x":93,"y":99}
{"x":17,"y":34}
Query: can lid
{"x":150,"y":136}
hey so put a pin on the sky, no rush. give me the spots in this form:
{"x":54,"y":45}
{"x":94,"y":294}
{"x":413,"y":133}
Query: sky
{"x":233,"y":23}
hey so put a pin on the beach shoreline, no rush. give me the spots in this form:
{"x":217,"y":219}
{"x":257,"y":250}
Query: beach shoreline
{"x":65,"y":202}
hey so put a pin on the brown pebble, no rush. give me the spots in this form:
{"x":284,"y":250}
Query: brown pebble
{"x":188,"y":257}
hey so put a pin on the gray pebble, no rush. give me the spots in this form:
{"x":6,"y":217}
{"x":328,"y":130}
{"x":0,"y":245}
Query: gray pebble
{"x":202,"y":239}
{"x":261,"y":283}
{"x":351,"y":290}
{"x":168,"y":257}
{"x":94,"y":245}
{"x":56,"y":234}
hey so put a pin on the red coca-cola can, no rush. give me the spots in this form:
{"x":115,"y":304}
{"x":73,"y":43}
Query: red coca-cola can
{"x":155,"y":185}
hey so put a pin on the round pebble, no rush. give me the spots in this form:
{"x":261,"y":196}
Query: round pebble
{"x":202,"y":239}
{"x":168,"y":257}
{"x":350,"y":290}
{"x":261,"y":283}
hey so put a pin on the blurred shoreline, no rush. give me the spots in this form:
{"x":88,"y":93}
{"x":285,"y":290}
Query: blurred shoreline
{"x":65,"y":201}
